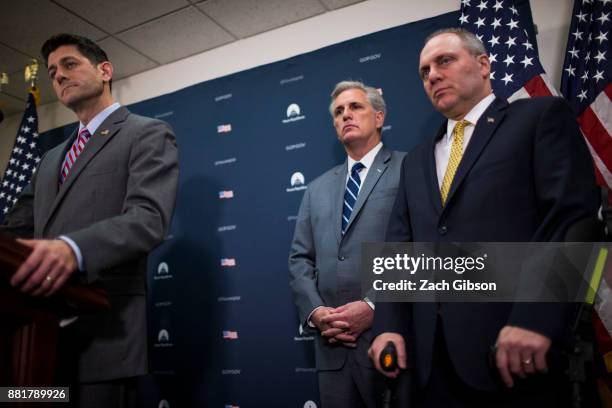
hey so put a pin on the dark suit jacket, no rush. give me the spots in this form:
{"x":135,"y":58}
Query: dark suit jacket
{"x":324,"y":265}
{"x":116,"y":205}
{"x":526,"y":175}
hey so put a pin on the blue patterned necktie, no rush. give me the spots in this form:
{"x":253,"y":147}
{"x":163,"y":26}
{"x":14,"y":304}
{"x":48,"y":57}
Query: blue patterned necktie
{"x":350,"y":195}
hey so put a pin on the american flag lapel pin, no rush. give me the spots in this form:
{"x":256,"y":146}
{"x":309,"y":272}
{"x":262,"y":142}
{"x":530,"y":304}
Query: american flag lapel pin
{"x":104,"y":132}
{"x":490,"y":120}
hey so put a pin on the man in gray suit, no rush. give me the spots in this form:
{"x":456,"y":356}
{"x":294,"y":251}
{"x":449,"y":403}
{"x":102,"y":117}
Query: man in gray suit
{"x":97,"y":204}
{"x":344,"y":207}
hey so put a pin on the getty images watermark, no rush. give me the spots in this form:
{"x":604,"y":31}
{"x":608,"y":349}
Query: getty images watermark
{"x":482,"y":272}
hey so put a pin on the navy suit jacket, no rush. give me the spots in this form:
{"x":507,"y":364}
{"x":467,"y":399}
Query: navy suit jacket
{"x":526,"y":176}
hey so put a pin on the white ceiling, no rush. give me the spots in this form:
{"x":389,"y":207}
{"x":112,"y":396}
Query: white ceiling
{"x":136,"y":34}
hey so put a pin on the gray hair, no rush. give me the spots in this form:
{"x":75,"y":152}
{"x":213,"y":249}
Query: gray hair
{"x":472,"y":44}
{"x":374,"y":97}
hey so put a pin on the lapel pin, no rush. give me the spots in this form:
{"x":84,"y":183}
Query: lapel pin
{"x":104,"y":132}
{"x":490,"y":120}
{"x":379,"y":170}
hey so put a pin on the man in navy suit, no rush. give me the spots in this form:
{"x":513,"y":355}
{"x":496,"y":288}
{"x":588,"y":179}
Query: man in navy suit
{"x":495,"y":172}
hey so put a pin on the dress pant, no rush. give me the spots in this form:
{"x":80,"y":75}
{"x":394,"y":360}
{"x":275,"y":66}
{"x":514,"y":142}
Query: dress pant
{"x":352,"y":386}
{"x":116,"y":393}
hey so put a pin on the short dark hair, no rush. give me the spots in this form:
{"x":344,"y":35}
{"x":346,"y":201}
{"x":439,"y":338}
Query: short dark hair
{"x":92,"y":51}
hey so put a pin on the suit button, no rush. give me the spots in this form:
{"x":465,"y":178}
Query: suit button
{"x":341,"y":257}
{"x":443,"y":230}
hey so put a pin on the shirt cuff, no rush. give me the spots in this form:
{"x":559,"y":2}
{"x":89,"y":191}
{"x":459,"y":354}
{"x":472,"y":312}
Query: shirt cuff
{"x":310,"y":323}
{"x":75,"y":249}
{"x":369,"y":303}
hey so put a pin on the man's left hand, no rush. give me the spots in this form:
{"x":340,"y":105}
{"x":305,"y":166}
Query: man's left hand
{"x":520,"y":352}
{"x":47,"y":268}
{"x":352,"y":318}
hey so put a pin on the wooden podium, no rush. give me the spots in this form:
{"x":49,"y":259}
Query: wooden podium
{"x":29,"y":325}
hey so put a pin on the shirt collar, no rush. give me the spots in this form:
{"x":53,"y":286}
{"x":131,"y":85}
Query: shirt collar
{"x":472,"y":116}
{"x":366,"y":160}
{"x":95,"y":123}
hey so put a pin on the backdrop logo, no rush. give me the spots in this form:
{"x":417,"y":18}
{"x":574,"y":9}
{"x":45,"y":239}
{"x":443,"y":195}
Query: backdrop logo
{"x":295,"y":146}
{"x":294,"y":113}
{"x":163,"y":272}
{"x":230,"y":335}
{"x":230,"y":371}
{"x":164,"y":115}
{"x":369,"y":58}
{"x":228,"y":262}
{"x":225,"y":228}
{"x":223,"y":97}
{"x":163,"y":336}
{"x":226,"y":194}
{"x":228,"y":299}
{"x":224,"y":128}
{"x":310,"y":404}
{"x":163,"y":404}
{"x":163,"y":339}
{"x":226,"y":161}
{"x":292,"y":79}
{"x":297,"y":182}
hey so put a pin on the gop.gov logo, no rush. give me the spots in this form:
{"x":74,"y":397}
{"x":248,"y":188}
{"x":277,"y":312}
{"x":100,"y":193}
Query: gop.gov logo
{"x":163,"y":404}
{"x":294,"y":113}
{"x":297,"y":182}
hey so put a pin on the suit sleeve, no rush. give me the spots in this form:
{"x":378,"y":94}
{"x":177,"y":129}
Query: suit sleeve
{"x":302,"y":263}
{"x":147,"y":208}
{"x":395,"y":316}
{"x":566,"y":192}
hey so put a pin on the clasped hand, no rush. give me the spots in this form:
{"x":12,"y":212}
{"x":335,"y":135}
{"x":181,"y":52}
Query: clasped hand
{"x":344,"y":324}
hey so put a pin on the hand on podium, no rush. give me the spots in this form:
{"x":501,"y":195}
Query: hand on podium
{"x":46,"y":269}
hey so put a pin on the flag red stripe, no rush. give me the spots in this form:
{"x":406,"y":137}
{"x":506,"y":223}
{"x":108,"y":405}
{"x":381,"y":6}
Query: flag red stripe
{"x":597,"y":136}
{"x":537,"y":87}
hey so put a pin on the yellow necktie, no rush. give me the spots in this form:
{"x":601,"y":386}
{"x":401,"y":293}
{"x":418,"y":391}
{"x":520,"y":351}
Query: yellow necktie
{"x":454,"y":158}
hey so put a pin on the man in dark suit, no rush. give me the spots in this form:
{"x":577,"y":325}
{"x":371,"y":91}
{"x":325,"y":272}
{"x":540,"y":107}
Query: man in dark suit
{"x":342,"y":208}
{"x":97,"y":204}
{"x":495,"y":172}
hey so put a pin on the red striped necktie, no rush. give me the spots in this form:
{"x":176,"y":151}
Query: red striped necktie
{"x":74,"y":152}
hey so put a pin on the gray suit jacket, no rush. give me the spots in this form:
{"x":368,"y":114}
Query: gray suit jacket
{"x":116,"y":205}
{"x":324,"y":266}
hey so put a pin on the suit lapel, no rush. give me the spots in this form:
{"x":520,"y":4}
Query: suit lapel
{"x":429,"y":165}
{"x":485,"y":127}
{"x":105,"y":132}
{"x":340,"y":183}
{"x":379,"y":165}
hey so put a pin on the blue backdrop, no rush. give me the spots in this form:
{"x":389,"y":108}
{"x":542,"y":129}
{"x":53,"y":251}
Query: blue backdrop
{"x":223,"y":327}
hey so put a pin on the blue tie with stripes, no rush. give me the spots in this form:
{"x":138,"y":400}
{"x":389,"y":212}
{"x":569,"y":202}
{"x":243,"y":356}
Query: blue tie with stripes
{"x":350,"y":195}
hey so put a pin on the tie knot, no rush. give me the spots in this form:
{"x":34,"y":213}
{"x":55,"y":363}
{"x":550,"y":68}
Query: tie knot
{"x":84,"y":133}
{"x":357,"y":167}
{"x":460,"y":126}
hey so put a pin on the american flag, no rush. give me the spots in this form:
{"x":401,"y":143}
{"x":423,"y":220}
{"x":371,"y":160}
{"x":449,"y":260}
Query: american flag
{"x":232,"y":335}
{"x":226,"y":194}
{"x":224,"y":128}
{"x":516,"y":71}
{"x":228,"y":262}
{"x":586,"y":79}
{"x":586,"y":85}
{"x":23,"y":161}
